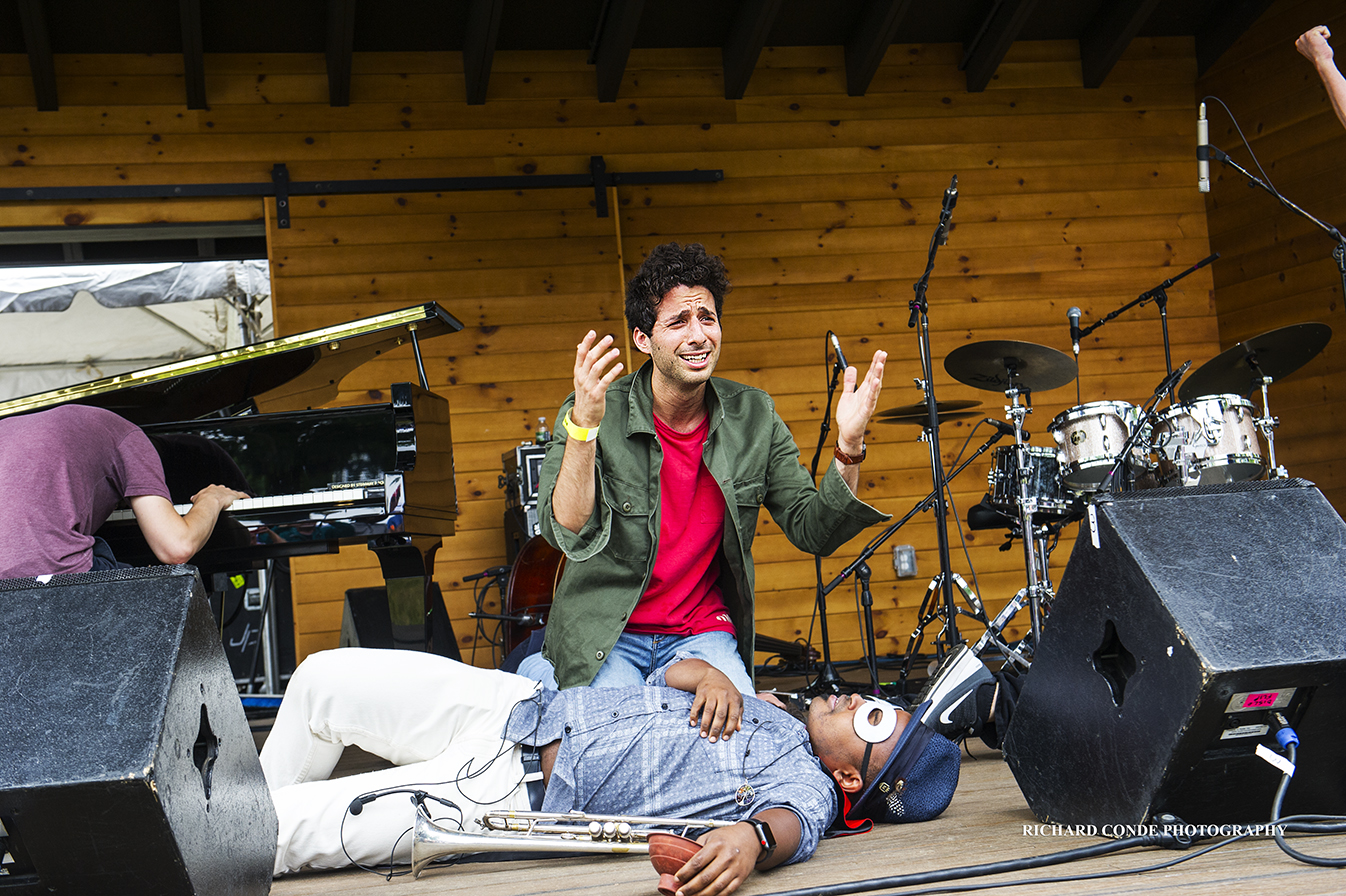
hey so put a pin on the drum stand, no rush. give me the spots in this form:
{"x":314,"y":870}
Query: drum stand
{"x":1267,"y":424}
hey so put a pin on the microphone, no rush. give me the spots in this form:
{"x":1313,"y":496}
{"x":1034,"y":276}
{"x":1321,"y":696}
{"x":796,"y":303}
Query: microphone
{"x":951,"y":195}
{"x":492,"y":572}
{"x":1172,"y":379}
{"x":836,"y":347}
{"x":942,"y":232}
{"x":1004,"y":428}
{"x":1202,"y":152}
{"x":1073,"y":315}
{"x":358,"y":804}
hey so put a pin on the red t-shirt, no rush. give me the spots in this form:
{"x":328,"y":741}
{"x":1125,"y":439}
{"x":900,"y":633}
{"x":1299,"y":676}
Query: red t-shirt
{"x":683,"y":596}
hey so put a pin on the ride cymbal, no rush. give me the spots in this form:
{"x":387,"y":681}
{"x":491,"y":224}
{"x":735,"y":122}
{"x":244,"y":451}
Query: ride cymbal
{"x":1276,"y":353}
{"x":996,"y":365}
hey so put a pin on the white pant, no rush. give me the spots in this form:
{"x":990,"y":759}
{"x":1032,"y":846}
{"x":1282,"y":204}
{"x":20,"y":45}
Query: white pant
{"x":438,"y":720}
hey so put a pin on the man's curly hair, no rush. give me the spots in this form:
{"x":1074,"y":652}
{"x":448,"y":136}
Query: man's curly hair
{"x":667,"y":266}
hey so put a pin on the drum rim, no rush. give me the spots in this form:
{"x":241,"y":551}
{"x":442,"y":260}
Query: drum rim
{"x":1065,"y":415}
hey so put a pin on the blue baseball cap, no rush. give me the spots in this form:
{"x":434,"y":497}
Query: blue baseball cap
{"x":915,"y":784}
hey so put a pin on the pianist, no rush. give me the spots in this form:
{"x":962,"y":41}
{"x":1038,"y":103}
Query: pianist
{"x":63,"y":471}
{"x":653,"y":483}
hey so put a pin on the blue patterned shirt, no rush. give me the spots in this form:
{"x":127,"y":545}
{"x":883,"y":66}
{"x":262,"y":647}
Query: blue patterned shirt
{"x":630,"y":751}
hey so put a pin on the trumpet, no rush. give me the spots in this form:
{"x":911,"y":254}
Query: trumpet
{"x":548,"y":832}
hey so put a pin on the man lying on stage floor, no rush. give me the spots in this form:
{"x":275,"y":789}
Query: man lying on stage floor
{"x":466,"y":735}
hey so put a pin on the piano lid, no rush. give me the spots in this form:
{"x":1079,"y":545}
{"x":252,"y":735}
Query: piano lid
{"x":287,"y":374}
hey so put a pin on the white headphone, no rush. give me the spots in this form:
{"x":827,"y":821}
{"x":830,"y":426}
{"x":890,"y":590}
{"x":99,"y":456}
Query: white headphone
{"x":875,"y":732}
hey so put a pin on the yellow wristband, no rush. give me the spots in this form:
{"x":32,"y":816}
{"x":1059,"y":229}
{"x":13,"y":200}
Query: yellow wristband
{"x":579,"y":432}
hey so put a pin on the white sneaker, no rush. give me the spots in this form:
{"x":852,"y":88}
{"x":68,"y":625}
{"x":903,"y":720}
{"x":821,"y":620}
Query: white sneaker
{"x":952,"y":692}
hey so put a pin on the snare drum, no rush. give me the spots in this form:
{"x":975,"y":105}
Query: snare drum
{"x":1208,"y":441}
{"x":1089,"y":439}
{"x":1044,"y":481}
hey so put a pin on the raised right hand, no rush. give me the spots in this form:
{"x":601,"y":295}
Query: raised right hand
{"x":594,"y":372}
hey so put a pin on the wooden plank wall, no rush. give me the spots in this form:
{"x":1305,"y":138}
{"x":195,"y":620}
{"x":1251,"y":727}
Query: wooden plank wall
{"x":1068,"y":197}
{"x":1276,"y":268}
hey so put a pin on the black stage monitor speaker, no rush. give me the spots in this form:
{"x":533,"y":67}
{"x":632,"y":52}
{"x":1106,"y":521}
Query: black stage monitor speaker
{"x":366,"y":621}
{"x":126,"y":762}
{"x":1169,"y":650}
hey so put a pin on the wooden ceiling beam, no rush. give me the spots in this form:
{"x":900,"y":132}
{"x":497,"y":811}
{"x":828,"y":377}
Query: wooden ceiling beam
{"x":483,"y":28}
{"x":1227,"y":24}
{"x":987,"y":50}
{"x":40,"y":61}
{"x":746,"y":39}
{"x":340,"y":49}
{"x":193,"y":55}
{"x":874,"y":32}
{"x":1106,"y":38}
{"x":616,"y":36}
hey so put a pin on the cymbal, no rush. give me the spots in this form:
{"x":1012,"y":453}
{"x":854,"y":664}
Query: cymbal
{"x":997,"y":364}
{"x":911,"y":410}
{"x":1277,"y":353}
{"x":922,"y":419}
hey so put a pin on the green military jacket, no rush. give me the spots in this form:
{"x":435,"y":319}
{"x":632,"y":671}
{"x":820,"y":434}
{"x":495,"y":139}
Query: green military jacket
{"x":752,"y":456}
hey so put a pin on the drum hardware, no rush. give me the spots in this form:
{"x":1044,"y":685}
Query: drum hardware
{"x":1266,"y":424}
{"x":1018,"y":369}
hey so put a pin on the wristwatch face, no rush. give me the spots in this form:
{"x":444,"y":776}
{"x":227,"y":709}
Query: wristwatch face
{"x":765,"y":839}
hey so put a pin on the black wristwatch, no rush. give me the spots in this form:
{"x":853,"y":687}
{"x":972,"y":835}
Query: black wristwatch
{"x":765,"y":839}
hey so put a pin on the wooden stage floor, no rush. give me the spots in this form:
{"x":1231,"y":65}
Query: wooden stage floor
{"x":985,"y":823}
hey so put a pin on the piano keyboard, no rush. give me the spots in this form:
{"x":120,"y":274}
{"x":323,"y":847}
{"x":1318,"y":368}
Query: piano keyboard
{"x":326,"y":497}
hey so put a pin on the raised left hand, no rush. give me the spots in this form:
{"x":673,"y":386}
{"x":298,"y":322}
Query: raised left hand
{"x":858,"y":403}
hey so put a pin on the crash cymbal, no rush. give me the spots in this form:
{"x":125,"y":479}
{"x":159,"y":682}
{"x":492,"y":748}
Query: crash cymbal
{"x":912,"y":410}
{"x":997,"y":364}
{"x":1277,"y":354}
{"x":922,"y":418}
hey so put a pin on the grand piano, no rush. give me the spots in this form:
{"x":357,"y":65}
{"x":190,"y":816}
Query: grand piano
{"x":380,"y":474}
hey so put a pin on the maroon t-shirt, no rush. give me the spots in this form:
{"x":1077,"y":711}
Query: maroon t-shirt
{"x":62,"y":472}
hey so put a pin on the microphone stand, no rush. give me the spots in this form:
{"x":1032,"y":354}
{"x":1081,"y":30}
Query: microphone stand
{"x":1338,"y":252}
{"x":920,"y":313}
{"x":1159,"y":296}
{"x":859,"y":565}
{"x":828,"y":680}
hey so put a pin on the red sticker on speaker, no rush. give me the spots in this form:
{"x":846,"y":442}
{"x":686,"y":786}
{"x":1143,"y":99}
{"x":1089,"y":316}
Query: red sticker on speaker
{"x":1261,"y":701}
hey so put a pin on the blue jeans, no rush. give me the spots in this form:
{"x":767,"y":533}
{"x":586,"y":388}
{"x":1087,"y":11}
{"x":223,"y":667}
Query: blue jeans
{"x":634,"y":657}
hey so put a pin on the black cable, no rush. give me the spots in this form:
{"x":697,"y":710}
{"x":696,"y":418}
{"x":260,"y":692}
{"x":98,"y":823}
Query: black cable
{"x":965,"y":871}
{"x":1286,"y":736}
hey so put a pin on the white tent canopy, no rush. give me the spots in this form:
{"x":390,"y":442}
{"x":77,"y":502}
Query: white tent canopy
{"x":125,"y":285}
{"x":97,"y":321}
